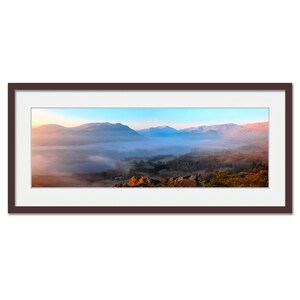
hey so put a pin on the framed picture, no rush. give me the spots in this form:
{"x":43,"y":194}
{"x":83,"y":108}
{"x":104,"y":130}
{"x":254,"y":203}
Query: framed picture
{"x":150,"y":147}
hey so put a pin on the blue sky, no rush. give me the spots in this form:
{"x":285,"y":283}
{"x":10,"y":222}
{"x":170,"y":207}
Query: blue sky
{"x":139,"y":118}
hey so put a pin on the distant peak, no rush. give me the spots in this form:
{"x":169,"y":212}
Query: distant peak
{"x":163,"y":127}
{"x":98,"y":124}
{"x":160,"y":128}
{"x":51,"y":128}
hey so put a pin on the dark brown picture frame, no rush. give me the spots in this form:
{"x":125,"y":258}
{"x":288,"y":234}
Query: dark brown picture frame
{"x":13,"y":87}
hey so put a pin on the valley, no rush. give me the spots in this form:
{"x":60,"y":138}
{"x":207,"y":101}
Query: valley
{"x":114,"y":155}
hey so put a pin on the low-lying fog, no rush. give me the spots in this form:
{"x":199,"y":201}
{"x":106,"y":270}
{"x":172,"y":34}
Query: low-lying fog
{"x":63,"y":160}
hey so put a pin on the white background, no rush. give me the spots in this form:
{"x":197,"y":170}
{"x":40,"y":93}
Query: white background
{"x":148,"y":256}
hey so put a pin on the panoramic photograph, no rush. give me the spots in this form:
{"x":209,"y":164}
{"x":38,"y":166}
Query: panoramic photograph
{"x":150,"y":147}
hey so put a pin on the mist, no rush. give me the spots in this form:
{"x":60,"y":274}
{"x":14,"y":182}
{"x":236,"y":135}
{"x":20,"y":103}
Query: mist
{"x":99,"y":157}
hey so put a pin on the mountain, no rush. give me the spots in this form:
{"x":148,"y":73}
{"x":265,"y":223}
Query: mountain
{"x":101,"y":127}
{"x":49,"y":129}
{"x":160,"y":131}
{"x":220,"y":129}
{"x":88,"y":133}
{"x":260,"y":126}
{"x":230,"y":130}
{"x":259,"y":130}
{"x":209,"y":131}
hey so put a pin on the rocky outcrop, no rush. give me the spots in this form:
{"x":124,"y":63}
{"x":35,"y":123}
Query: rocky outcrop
{"x":187,"y":181}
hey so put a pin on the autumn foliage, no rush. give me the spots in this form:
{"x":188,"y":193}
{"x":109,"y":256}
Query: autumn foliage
{"x":243,"y":179}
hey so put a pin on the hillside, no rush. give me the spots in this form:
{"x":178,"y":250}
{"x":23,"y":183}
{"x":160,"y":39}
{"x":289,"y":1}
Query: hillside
{"x":220,"y":131}
{"x":88,"y":133}
{"x":218,"y":179}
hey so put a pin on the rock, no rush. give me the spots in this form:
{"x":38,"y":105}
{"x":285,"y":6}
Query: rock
{"x":143,"y":181}
{"x":139,"y":182}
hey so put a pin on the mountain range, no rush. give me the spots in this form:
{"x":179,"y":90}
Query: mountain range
{"x":53,"y":134}
{"x":229,"y":130}
{"x":88,"y":133}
